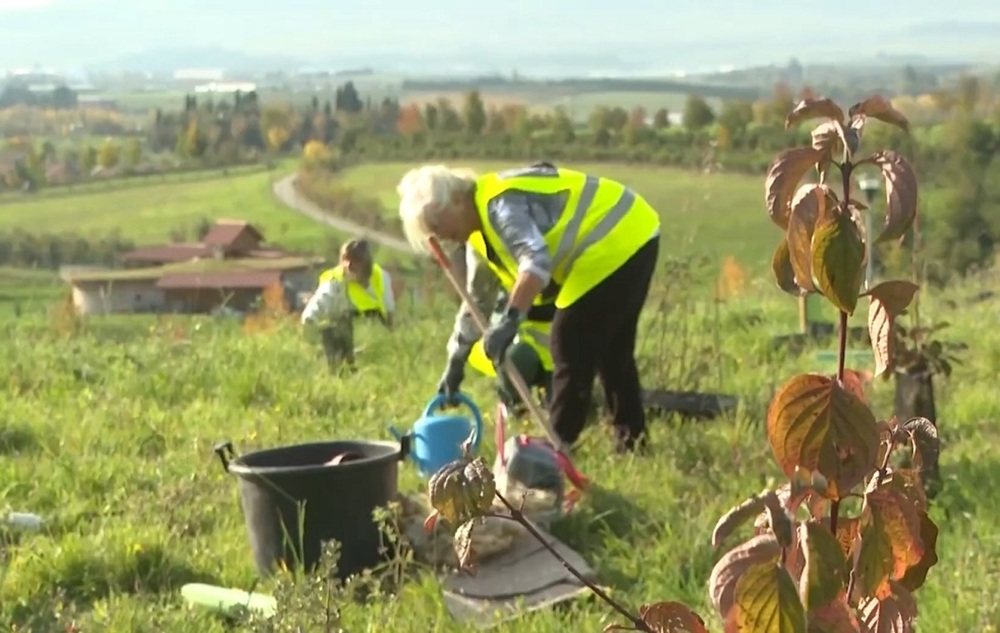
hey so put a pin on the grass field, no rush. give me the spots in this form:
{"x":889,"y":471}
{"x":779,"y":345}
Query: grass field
{"x":28,"y":292}
{"x":120,"y":183}
{"x":107,"y":425}
{"x":107,"y":433}
{"x":148,"y":213}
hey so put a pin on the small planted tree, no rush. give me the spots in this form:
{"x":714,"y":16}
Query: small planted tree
{"x":842,"y":546}
{"x":813,"y":564}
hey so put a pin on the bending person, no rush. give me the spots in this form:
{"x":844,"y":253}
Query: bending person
{"x":588,"y":241}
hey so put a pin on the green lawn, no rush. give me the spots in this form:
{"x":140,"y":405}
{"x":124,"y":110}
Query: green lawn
{"x":28,"y":291}
{"x":108,"y":434}
{"x":148,"y":213}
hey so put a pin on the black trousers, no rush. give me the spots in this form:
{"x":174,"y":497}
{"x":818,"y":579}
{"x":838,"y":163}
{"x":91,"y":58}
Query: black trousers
{"x":596,"y":335}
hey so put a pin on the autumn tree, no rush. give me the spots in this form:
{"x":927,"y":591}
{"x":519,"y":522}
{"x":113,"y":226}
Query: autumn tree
{"x":661,"y":119}
{"x":132,"y":152}
{"x":88,"y":159}
{"x":277,"y":138}
{"x":735,"y":115}
{"x":636,"y":131}
{"x":432,"y":117}
{"x":562,"y":126}
{"x":318,"y":154}
{"x":697,"y":113}
{"x":600,"y":125}
{"x":109,"y":154}
{"x":474,"y":113}
{"x":410,"y":120}
{"x":495,"y":123}
{"x":450,"y":120}
{"x":193,"y":142}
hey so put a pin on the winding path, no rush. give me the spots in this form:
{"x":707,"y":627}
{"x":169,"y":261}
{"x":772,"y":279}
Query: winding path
{"x":286,"y":193}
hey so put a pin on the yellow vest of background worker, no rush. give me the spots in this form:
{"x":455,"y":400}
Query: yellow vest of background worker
{"x":603,"y":224}
{"x":362,"y":299}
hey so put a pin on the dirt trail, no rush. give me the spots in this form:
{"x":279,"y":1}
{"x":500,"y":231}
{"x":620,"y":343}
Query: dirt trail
{"x":288,"y":195}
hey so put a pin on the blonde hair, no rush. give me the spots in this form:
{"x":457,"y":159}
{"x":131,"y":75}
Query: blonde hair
{"x":426,"y":194}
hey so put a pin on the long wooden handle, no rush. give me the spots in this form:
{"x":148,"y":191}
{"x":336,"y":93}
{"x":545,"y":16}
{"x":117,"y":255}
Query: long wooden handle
{"x":515,"y":376}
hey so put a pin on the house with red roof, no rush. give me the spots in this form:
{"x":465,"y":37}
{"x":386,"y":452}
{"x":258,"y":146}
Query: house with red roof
{"x":230,"y":267}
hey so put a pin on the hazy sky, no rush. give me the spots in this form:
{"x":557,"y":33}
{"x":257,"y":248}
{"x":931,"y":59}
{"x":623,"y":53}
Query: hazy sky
{"x":687,"y":32}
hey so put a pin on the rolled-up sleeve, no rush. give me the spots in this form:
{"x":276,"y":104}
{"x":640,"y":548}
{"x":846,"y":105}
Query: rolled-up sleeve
{"x":482,"y":285}
{"x":510,"y":216}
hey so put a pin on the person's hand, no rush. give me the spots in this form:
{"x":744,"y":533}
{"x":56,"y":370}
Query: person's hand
{"x":499,"y":337}
{"x":451,"y":380}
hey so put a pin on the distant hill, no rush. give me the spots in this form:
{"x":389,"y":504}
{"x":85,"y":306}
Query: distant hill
{"x":167,"y":60}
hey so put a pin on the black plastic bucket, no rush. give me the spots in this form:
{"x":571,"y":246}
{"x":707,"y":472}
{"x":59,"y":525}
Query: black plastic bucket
{"x":280,"y":485}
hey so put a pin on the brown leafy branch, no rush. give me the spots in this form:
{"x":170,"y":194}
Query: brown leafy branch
{"x":462,"y":494}
{"x":808,"y":567}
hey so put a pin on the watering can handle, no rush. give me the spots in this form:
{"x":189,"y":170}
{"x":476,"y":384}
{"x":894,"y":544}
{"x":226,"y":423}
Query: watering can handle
{"x":441,"y":399}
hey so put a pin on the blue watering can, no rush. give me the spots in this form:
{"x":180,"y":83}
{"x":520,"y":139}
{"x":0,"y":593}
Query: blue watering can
{"x":436,"y":438}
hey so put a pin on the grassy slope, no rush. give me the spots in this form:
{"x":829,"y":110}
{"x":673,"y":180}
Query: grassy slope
{"x":147,"y":214}
{"x":31,"y":292}
{"x":120,"y":460}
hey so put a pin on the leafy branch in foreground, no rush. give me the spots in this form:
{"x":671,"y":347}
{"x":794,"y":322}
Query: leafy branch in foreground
{"x":811,"y":566}
{"x":462,"y":494}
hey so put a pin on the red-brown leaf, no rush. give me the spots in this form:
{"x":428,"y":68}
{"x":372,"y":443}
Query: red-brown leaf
{"x":901,"y":194}
{"x":816,"y":424}
{"x":783,"y":178}
{"x":820,"y":107}
{"x":810,"y":203}
{"x":880,"y":108}
{"x":725,"y":574}
{"x":885,"y":302}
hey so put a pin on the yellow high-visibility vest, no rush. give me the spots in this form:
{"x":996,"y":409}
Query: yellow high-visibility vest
{"x":603,"y":224}
{"x":506,"y":280}
{"x":534,"y":333}
{"x":362,"y":299}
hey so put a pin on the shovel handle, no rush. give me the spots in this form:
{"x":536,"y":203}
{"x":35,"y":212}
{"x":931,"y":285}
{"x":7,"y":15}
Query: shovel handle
{"x":515,"y":376}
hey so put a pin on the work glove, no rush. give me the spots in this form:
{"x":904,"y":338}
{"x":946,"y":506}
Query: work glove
{"x":452,"y":378}
{"x":499,"y":337}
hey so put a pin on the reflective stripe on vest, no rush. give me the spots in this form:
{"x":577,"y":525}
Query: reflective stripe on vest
{"x":362,"y":299}
{"x":603,"y":224}
{"x":533,"y":333}
{"x":537,"y":335}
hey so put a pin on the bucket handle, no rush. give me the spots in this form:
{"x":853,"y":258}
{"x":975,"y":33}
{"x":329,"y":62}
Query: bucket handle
{"x":225,"y":452}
